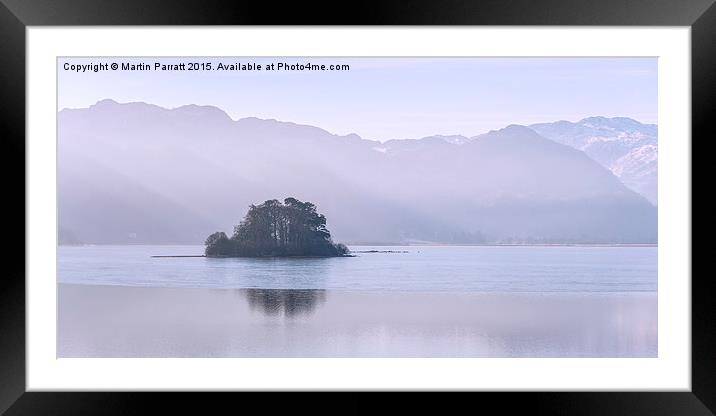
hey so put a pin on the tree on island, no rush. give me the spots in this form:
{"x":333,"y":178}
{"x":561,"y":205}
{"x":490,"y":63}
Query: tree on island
{"x":293,"y":228}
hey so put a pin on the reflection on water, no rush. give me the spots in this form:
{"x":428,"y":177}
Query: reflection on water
{"x":116,"y":321}
{"x":286,"y":302}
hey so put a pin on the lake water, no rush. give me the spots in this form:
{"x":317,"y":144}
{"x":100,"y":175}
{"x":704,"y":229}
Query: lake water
{"x":430,"y":301}
{"x":419,"y":268}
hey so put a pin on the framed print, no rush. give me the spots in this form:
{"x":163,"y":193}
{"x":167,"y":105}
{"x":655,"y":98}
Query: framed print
{"x":446,"y":198}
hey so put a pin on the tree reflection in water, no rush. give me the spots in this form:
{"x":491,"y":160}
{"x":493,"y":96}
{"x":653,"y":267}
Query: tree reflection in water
{"x":289,"y":302}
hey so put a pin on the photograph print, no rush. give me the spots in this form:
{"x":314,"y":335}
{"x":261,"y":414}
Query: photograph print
{"x":357,"y":207}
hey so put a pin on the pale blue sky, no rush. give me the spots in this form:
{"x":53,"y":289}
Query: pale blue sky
{"x":388,"y":98}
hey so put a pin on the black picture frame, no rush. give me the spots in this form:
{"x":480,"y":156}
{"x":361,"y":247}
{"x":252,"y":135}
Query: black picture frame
{"x":16,"y":15}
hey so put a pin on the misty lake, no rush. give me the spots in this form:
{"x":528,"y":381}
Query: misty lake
{"x":418,"y":301}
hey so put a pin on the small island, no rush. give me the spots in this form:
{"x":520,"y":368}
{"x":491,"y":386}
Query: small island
{"x":274,"y":229}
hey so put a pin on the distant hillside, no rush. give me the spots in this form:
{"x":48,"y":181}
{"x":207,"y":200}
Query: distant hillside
{"x":139,"y":173}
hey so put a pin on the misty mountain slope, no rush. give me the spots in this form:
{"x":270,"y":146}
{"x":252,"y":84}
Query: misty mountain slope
{"x":539,"y":166}
{"x":517,"y":185}
{"x":514,"y":161}
{"x":97,"y":205}
{"x":184,"y":173}
{"x":624,"y":146}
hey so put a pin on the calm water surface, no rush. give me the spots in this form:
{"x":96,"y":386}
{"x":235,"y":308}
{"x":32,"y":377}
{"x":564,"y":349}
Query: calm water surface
{"x":437,"y":301}
{"x":421,"y":268}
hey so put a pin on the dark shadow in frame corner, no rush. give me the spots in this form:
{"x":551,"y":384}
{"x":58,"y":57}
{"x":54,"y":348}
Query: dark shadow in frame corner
{"x":15,"y":15}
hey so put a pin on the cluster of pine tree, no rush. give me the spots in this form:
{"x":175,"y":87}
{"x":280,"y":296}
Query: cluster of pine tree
{"x":291,"y":228}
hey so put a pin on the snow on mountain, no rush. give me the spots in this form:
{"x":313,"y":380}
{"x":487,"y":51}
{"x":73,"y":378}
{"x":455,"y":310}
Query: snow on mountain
{"x":625,"y":146}
{"x":453,"y":139}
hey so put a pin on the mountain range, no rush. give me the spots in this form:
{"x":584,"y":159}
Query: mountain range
{"x":140,"y":173}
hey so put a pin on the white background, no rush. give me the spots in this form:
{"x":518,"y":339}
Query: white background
{"x":670,"y":371}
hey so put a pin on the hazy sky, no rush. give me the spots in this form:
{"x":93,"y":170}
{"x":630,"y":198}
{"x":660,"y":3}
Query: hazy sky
{"x":386,"y":98}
